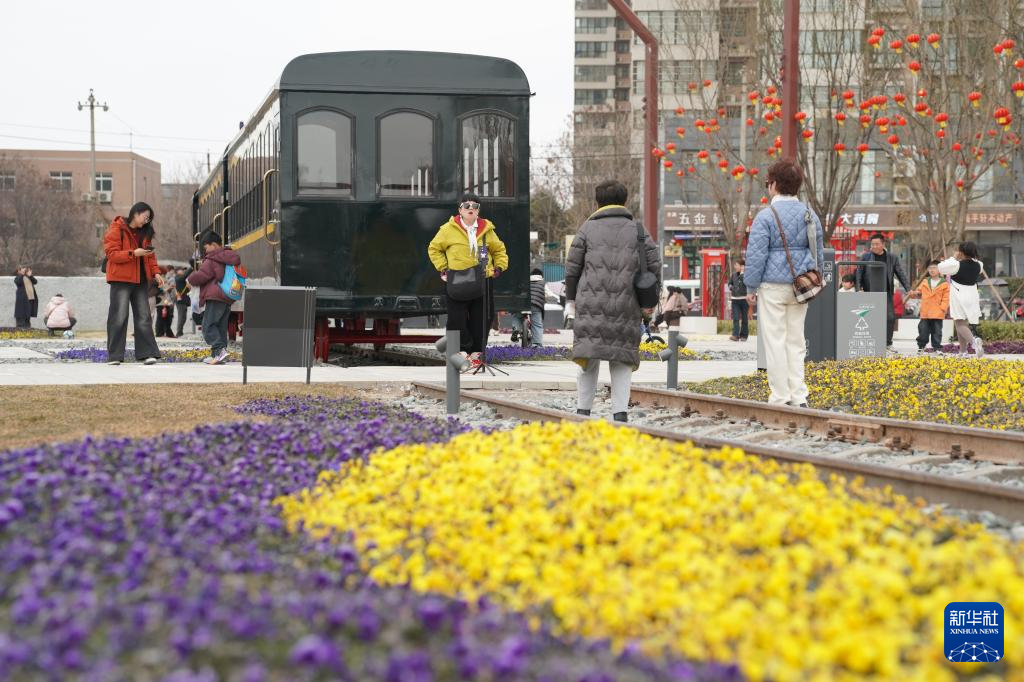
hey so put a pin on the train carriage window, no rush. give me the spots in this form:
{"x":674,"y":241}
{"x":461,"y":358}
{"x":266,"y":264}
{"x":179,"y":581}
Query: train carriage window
{"x":406,"y":163}
{"x":325,"y":153}
{"x":488,"y":155}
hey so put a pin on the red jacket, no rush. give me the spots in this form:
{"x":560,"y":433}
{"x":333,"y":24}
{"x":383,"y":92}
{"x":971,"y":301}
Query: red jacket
{"x":211,"y":272}
{"x":119,"y":243}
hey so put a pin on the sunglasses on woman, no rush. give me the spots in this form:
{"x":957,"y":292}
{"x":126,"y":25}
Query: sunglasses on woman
{"x":470,"y":205}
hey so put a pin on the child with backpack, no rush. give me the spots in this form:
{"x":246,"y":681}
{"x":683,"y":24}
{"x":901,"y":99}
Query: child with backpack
{"x":934,"y":294}
{"x":221,"y":281}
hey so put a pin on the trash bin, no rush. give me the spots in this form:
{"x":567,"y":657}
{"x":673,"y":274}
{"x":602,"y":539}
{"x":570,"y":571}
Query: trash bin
{"x":861,"y":317}
{"x":278,"y":328}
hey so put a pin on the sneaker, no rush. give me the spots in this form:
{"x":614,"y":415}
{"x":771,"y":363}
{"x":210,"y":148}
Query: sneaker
{"x":149,"y":361}
{"x":210,"y":360}
{"x":734,"y":338}
{"x":979,"y":348}
{"x":113,"y":362}
{"x":222,"y":356}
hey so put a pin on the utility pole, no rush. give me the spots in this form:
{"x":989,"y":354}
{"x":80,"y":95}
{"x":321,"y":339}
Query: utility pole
{"x":652,"y":179}
{"x":92,"y":103}
{"x":790,"y":76}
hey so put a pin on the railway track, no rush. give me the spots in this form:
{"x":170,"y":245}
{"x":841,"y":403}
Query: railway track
{"x":799,"y":435}
{"x":348,"y":356}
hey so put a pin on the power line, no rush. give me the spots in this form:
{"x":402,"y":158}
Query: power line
{"x":109,"y":146}
{"x":109,"y":132}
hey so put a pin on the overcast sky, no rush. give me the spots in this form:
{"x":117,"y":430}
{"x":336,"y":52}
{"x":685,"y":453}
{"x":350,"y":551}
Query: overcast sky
{"x":180,"y":75}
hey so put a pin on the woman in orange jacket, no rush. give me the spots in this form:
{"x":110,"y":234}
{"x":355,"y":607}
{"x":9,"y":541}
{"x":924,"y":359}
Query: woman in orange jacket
{"x":934,"y":294}
{"x":131,"y":265}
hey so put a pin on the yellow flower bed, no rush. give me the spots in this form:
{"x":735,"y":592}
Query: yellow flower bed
{"x":654,"y":347}
{"x":984,"y":393}
{"x":715,"y":555}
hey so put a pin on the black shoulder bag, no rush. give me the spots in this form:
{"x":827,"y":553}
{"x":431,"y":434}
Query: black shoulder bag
{"x":645,"y":282}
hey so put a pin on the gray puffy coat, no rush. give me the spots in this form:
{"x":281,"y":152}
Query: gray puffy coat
{"x":599,"y":278}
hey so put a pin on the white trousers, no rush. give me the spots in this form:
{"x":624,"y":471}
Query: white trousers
{"x":586,"y":385}
{"x":780,"y":319}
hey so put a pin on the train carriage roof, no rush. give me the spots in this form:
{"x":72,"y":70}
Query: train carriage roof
{"x":400,"y":71}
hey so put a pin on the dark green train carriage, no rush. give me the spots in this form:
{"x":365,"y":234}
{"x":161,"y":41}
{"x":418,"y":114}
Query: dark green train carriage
{"x":342,"y":176}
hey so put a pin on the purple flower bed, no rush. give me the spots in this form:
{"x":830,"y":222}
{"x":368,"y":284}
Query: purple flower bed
{"x":995,"y":347}
{"x":515,"y":353}
{"x":165,"y":559}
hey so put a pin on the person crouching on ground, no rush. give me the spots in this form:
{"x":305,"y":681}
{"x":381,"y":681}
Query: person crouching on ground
{"x":58,"y":316}
{"x":208,"y":277}
{"x":934,"y":294}
{"x":131,"y":265}
{"x":599,"y":271}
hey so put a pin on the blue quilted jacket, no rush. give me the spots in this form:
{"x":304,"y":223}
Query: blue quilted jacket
{"x":766,"y":258}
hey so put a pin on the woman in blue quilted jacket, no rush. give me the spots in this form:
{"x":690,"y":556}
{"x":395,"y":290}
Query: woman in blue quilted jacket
{"x":780,"y":318}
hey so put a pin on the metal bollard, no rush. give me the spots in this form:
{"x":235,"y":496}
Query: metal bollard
{"x":454,"y":364}
{"x":671,"y":355}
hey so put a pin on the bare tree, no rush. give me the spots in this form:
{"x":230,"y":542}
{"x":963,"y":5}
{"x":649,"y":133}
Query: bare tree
{"x":956,"y":128}
{"x":41,"y":224}
{"x":174,"y":218}
{"x":835,"y":64}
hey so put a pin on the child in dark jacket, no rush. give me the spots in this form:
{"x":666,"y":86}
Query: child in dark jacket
{"x":218,"y":306}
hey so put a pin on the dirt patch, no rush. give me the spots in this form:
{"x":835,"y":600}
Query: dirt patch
{"x":50,"y":414}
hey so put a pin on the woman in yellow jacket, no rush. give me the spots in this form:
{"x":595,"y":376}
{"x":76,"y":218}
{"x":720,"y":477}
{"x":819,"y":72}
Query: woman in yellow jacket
{"x":461,"y":243}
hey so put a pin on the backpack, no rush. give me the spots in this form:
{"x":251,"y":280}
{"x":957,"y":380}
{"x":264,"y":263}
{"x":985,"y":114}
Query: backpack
{"x":233,"y":283}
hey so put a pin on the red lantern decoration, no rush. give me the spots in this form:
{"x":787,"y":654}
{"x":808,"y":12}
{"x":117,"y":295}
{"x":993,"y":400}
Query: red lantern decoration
{"x":753,"y":96}
{"x":957,"y":146}
{"x":771,"y":90}
{"x":960,"y":185}
{"x":737,"y":172}
{"x":679,"y":173}
{"x":1018,"y":88}
{"x":1002,"y":116}
{"x":1008,"y":45}
{"x":691,"y":85}
{"x":913,"y":39}
{"x":862,"y":148}
{"x":800,"y":116}
{"x":914,"y":66}
{"x":839,"y":147}
{"x":723,"y":165}
{"x":975,"y":98}
{"x":1018,"y":63}
{"x":920,"y":108}
{"x":671,"y":147}
{"x":940,"y":133}
{"x":691,"y":169}
{"x":764,"y":200}
{"x":922,"y":93}
{"x":750,"y":122}
{"x":848,"y":97}
{"x":753,"y":171}
{"x":699,"y":124}
{"x":997,"y":50}
{"x":668,"y":165}
{"x":703,"y":155}
{"x":865,"y":120}
{"x":899,"y":98}
{"x":840,"y":118}
{"x":707,"y":83}
{"x":875,"y":41}
{"x":883,"y":124}
{"x":878,"y":31}
{"x":680,"y":111}
{"x":807,"y":134}
{"x":893,"y":140}
{"x":933,"y":40}
{"x":897,"y":46}
{"x":681,"y":131}
{"x":941,"y":118}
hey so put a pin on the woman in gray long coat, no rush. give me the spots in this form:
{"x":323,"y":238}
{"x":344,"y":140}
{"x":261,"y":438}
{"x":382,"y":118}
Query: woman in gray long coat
{"x":599,"y":272}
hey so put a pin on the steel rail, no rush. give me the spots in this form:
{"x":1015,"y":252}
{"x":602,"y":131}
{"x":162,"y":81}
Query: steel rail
{"x":998,"y":447}
{"x":971,"y":495}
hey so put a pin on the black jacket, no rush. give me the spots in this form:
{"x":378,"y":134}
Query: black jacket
{"x":23,"y":307}
{"x":537,"y":294}
{"x":737,"y":287}
{"x":893,"y":268}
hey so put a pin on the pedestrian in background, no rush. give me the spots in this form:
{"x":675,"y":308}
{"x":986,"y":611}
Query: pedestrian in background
{"x":893,"y":269}
{"x":131,"y":268}
{"x":740,"y":304}
{"x":538,"y":297}
{"x":216,"y":258}
{"x":603,"y":260}
{"x":934,"y":294}
{"x":768,"y":273}
{"x":181,"y":299}
{"x":964,"y":270}
{"x":849,"y":284}
{"x":26,"y":300}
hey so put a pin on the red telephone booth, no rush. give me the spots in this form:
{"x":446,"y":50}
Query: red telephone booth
{"x":713,"y":277}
